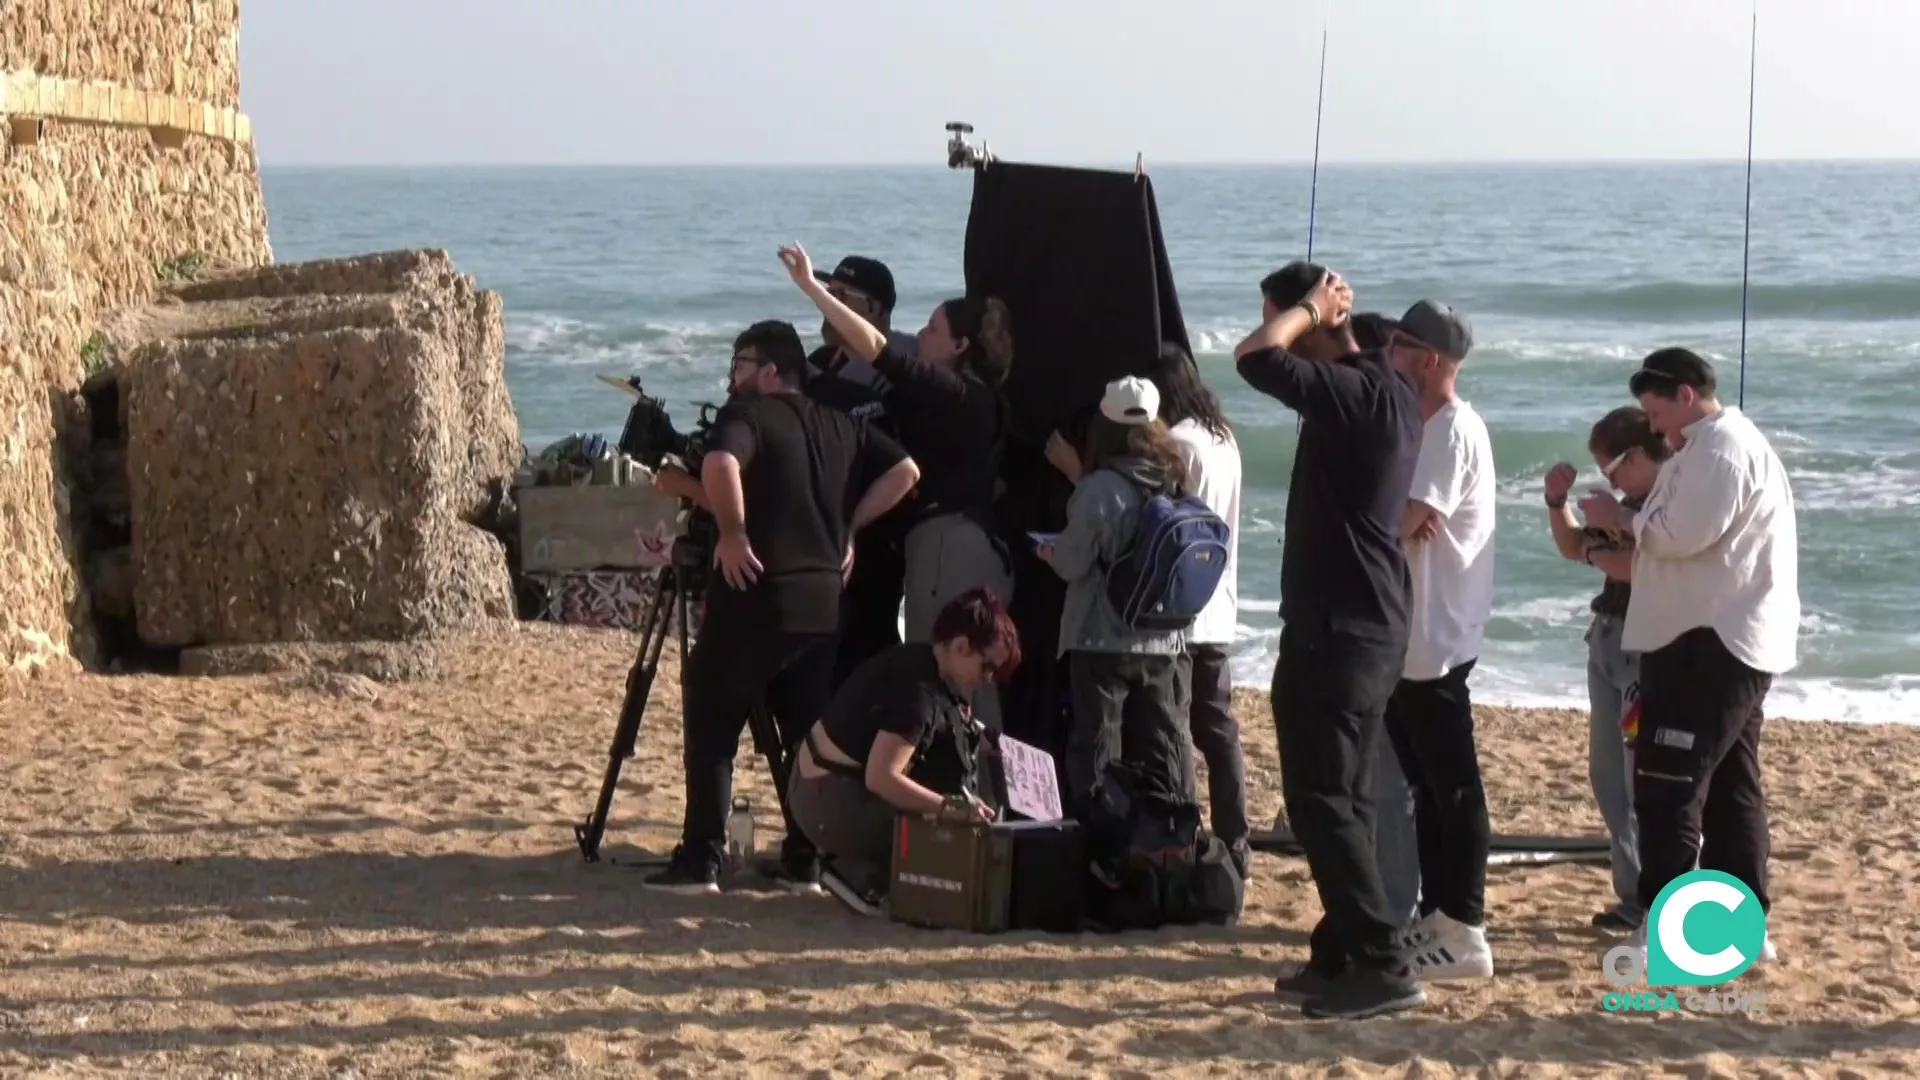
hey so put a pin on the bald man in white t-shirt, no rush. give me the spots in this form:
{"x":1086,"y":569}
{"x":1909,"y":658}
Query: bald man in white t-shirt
{"x":1448,"y":530}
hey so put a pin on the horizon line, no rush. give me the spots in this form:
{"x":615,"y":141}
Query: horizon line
{"x":1122,"y":166}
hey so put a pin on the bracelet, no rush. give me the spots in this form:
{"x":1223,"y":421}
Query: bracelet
{"x":1557,"y":504}
{"x":1312,"y":312}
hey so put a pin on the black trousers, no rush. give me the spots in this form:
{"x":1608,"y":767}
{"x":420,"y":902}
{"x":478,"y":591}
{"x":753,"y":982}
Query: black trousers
{"x":870,"y":603}
{"x":1430,"y":722}
{"x":729,"y":670}
{"x":1216,"y":735}
{"x":1330,"y":692}
{"x":1127,"y":707}
{"x":1697,"y":791}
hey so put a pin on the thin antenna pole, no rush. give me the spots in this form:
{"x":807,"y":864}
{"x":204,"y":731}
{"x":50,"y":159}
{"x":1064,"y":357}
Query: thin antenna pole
{"x":1313,"y":195}
{"x":1746,"y":243}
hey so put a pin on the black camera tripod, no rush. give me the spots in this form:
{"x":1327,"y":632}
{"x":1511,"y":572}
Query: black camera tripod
{"x":670,"y":602}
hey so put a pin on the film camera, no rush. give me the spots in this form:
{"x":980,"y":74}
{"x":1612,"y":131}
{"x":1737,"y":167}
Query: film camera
{"x":650,"y":438}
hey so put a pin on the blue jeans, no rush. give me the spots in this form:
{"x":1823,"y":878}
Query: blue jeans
{"x":1396,"y":843}
{"x":1613,"y":680}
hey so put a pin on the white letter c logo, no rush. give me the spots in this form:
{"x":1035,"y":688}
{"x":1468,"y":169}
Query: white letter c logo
{"x":1673,"y":921}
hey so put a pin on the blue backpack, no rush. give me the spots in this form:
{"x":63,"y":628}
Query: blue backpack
{"x":1178,"y":556}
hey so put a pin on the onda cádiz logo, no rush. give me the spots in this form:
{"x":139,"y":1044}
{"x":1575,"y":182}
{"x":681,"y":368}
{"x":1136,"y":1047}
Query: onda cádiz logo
{"x":1706,"y":928}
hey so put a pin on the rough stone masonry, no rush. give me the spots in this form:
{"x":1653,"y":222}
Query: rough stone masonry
{"x":306,"y":446}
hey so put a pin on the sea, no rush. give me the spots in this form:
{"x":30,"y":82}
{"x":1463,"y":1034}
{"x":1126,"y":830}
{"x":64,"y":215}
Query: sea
{"x":1570,"y":274}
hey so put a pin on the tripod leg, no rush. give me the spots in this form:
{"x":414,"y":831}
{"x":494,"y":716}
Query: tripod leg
{"x":766,"y":740}
{"x":627,"y":733}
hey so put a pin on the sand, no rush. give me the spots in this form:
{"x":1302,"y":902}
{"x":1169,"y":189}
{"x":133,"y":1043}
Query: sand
{"x":333,"y":877}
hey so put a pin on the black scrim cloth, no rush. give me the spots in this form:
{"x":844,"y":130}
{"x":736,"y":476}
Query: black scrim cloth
{"x":1078,"y":258}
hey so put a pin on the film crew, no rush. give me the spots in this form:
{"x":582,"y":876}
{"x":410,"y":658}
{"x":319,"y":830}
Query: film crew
{"x":1205,"y":441}
{"x":1448,"y":530}
{"x":1125,"y":683}
{"x":856,"y":768}
{"x":790,"y":482}
{"x":836,"y":377}
{"x":1715,"y":617}
{"x":951,"y":416}
{"x":1629,"y":453}
{"x":1344,"y":587}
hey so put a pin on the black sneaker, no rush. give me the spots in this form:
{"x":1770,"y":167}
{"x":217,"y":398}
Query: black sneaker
{"x":1298,"y":982}
{"x":686,"y":875}
{"x":1611,"y":920}
{"x":1360,"y":992}
{"x":799,"y":874}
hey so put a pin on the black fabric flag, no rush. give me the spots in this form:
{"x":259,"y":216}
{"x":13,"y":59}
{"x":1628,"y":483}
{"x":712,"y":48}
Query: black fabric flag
{"x":1078,"y":258}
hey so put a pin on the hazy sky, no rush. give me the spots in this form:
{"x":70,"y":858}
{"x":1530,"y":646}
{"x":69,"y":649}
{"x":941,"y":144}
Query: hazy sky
{"x":1072,"y":81}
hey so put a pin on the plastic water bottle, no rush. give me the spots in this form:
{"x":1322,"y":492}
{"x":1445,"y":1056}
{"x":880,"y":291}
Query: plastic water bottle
{"x":740,"y":832}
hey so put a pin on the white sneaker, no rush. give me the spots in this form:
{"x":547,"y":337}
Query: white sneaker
{"x":1452,"y":950}
{"x":1767,"y":952}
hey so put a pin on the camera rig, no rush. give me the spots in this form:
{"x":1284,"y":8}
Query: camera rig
{"x":960,"y":153}
{"x":650,"y":438}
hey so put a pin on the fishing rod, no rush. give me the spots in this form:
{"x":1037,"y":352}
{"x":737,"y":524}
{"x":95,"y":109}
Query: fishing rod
{"x":1313,"y":192}
{"x":1746,"y":243}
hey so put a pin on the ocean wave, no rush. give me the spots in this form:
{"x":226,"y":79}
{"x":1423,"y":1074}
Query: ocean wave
{"x":1888,"y":298}
{"x":1507,"y":677}
{"x":561,"y":341}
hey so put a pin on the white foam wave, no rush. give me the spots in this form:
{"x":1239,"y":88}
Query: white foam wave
{"x":1547,"y":610}
{"x":1877,"y":487}
{"x":1515,"y":682}
{"x":561,"y":341}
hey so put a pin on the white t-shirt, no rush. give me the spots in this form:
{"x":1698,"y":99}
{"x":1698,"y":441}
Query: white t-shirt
{"x":1213,"y":473}
{"x":1453,"y":572}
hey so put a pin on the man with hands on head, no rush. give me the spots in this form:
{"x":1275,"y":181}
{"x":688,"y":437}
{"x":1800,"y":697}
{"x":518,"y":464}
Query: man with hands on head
{"x":1344,"y":596}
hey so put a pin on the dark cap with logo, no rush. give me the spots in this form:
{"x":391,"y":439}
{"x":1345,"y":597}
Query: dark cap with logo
{"x":860,"y":273}
{"x":1438,"y":327}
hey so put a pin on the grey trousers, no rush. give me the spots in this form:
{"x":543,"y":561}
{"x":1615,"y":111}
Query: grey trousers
{"x":946,"y":556}
{"x":851,"y":826}
{"x":1613,"y":682}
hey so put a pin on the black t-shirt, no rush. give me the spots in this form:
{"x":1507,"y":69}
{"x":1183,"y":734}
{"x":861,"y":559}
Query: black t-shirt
{"x":803,"y":469}
{"x":841,"y":382}
{"x":899,"y":690}
{"x":1343,"y":568}
{"x":953,"y":424}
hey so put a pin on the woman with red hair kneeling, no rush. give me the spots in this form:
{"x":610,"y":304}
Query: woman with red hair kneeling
{"x":856,"y":768}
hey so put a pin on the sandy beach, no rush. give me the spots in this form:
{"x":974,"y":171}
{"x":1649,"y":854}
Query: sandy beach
{"x":278,"y":875}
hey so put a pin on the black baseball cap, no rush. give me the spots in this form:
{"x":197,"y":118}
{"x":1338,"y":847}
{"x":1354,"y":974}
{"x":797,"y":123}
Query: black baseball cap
{"x":1371,"y":329}
{"x":869,"y":276}
{"x":1671,"y":368}
{"x":1438,"y":327}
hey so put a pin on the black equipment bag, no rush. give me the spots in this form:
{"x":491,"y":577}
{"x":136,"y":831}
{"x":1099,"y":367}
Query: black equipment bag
{"x":1152,"y":864}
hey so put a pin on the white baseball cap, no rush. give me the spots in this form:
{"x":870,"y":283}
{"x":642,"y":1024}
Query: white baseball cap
{"x":1131,"y":401}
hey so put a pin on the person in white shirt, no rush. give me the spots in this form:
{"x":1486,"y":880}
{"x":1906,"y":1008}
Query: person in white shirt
{"x":1448,"y":529}
{"x":1715,"y":615}
{"x":1205,"y":440}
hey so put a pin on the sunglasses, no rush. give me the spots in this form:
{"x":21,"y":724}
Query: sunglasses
{"x":1613,"y":466}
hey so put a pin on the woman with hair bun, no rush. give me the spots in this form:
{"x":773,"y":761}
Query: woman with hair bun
{"x":952,"y":419}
